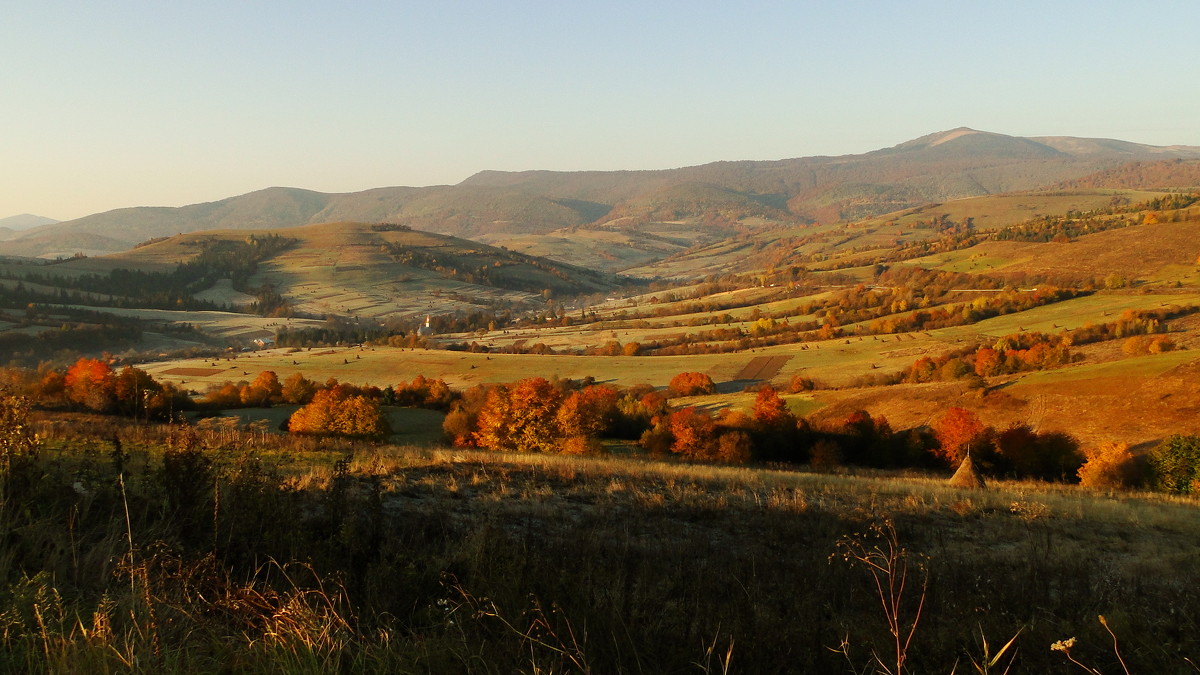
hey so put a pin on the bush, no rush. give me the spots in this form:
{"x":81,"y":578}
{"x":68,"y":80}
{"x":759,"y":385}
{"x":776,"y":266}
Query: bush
{"x":1175,"y":465}
{"x":1110,"y":466}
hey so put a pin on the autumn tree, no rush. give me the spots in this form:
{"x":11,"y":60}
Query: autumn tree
{"x":694,"y":433}
{"x":521,"y":418}
{"x":588,"y":412}
{"x":692,"y":384}
{"x":297,"y":389}
{"x":771,"y":411}
{"x":133,"y":389}
{"x":263,"y":391}
{"x":51,"y":386}
{"x":956,"y":431}
{"x":92,"y":384}
{"x":637,"y":409}
{"x":735,"y":447}
{"x":1109,"y":466}
{"x":461,"y":422}
{"x":225,"y":395}
{"x":330,"y":414}
{"x":657,"y":439}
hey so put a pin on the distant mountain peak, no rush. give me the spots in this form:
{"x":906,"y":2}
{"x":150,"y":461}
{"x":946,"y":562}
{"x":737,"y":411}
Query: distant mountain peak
{"x":25,"y":221}
{"x":939,"y":137}
{"x":947,"y":136}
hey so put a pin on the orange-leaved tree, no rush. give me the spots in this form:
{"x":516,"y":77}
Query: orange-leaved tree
{"x":520,"y":418}
{"x":263,"y":391}
{"x":695,"y":433}
{"x":349,"y":415}
{"x":588,"y":412}
{"x":92,"y":384}
{"x":1109,"y":466}
{"x":956,"y":430}
{"x":692,"y":384}
{"x":771,"y":411}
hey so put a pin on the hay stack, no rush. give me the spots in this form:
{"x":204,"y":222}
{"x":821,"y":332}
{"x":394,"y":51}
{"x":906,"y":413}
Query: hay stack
{"x":967,"y":476}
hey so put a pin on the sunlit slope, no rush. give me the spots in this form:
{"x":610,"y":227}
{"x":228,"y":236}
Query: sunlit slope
{"x":356,"y":269}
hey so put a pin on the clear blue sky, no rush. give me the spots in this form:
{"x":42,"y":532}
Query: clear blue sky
{"x":122,"y":103}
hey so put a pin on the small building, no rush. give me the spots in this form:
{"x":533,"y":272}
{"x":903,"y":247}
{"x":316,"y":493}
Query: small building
{"x":426,"y":330}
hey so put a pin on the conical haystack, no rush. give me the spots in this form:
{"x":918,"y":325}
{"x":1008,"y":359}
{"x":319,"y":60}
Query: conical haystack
{"x":967,"y":476}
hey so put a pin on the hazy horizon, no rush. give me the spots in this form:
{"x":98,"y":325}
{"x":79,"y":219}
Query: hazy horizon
{"x":142,"y":104}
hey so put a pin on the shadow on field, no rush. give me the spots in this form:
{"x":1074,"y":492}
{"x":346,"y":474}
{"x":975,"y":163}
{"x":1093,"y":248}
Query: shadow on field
{"x":735,"y":386}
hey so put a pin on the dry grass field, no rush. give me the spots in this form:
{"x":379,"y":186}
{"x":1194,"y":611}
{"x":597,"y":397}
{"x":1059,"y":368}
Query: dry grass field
{"x":403,"y":559}
{"x":1165,"y":256}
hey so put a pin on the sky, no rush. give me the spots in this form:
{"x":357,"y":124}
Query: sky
{"x":121,"y":103}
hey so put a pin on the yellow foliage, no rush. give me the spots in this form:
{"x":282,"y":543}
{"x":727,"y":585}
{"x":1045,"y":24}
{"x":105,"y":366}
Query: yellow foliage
{"x":329,"y":414}
{"x":1109,"y":466}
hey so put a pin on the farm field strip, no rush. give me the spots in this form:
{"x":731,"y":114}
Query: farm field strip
{"x":762,"y":367}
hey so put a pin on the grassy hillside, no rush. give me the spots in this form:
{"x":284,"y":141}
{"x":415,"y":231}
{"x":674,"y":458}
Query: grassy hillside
{"x":372,"y":271}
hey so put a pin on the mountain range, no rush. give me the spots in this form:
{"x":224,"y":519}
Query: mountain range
{"x":12,"y":225}
{"x":709,"y":201}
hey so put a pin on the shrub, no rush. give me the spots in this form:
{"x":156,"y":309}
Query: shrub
{"x":657,"y":439}
{"x":799,"y":383}
{"x":735,"y":447}
{"x":1175,"y":465}
{"x":582,"y":445}
{"x":1109,"y":466}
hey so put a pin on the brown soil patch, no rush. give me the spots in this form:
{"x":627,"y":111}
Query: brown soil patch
{"x":762,"y":367}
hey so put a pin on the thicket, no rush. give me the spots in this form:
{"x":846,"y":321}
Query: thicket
{"x":1175,"y":465}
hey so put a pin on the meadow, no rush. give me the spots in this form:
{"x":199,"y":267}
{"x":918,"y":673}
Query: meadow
{"x":161,"y":549}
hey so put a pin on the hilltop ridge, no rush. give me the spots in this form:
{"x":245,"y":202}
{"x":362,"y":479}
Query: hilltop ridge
{"x":960,"y":162}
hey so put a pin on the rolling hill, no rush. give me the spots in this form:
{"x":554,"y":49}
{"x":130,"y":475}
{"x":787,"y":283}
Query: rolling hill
{"x":722,"y":197}
{"x":371,"y":270}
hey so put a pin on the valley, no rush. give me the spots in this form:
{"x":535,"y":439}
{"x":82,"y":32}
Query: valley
{"x":616,"y":421}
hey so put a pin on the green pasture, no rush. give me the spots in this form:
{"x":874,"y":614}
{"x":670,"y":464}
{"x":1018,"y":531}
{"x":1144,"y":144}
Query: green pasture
{"x":1140,"y":367}
{"x":801,"y":405}
{"x":1102,"y":307}
{"x":981,"y":259}
{"x":383,"y":366}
